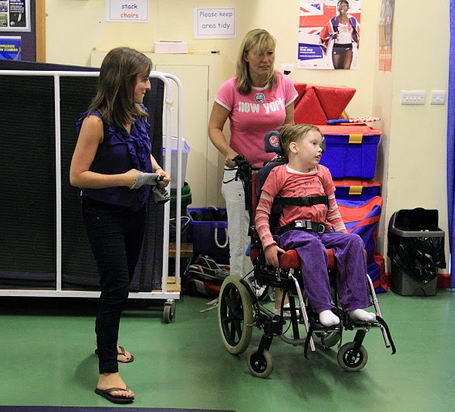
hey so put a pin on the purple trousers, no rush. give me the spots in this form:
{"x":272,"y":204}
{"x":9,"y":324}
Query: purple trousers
{"x":351,"y":267}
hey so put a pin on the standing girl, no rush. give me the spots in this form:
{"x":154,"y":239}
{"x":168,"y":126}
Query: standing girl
{"x":112,"y":153}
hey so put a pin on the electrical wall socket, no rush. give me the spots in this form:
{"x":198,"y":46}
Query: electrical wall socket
{"x":438,"y":97}
{"x":413,"y":97}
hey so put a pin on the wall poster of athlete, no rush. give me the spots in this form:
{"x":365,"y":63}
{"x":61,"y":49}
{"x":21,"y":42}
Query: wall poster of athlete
{"x":329,"y":34}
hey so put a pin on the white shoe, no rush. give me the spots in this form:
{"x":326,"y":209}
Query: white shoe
{"x":362,"y":315}
{"x":328,"y":318}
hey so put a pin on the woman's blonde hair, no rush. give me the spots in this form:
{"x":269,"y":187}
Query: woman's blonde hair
{"x":263,"y":41}
{"x":116,"y":83}
{"x":293,"y":133}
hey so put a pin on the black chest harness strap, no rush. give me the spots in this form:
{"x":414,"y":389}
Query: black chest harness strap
{"x":317,"y":227}
{"x":302,"y":201}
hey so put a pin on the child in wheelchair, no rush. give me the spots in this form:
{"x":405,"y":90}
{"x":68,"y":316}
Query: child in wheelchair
{"x":310,"y":223}
{"x":298,"y":225}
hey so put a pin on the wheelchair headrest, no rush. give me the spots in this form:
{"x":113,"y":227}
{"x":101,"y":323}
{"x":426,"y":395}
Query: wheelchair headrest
{"x":272,"y":143}
{"x":264,"y":172}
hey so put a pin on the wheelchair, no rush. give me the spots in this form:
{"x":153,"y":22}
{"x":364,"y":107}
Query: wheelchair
{"x":241,"y":307}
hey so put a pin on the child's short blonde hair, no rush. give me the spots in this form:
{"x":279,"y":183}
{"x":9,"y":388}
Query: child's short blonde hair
{"x":292,"y":133}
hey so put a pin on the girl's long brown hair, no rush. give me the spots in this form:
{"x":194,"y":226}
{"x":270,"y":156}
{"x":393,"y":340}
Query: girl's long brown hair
{"x":116,"y":84}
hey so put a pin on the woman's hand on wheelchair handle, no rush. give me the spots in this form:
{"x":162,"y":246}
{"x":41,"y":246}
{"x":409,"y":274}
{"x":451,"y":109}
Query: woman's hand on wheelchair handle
{"x":229,"y":160}
{"x":271,"y":255}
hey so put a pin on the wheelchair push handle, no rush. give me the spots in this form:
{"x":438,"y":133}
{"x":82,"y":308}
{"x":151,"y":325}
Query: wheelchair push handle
{"x":240,"y":161}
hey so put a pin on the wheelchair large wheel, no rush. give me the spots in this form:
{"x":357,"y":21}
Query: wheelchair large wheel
{"x":351,"y":359}
{"x":235,"y":315}
{"x":260,"y":364}
{"x":327,"y":339}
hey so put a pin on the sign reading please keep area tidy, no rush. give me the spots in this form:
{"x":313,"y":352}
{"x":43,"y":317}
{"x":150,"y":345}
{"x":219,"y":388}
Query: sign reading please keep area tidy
{"x":213,"y":23}
{"x":127,"y":10}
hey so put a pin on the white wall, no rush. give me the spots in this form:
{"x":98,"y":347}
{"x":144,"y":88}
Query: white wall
{"x":413,"y":150}
{"x":412,"y":153}
{"x":75,"y":27}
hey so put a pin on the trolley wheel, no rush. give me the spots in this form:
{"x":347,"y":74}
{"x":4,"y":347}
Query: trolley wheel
{"x":235,"y":315}
{"x":351,"y":359}
{"x":260,"y":364}
{"x":168,"y":312}
{"x":327,"y":339}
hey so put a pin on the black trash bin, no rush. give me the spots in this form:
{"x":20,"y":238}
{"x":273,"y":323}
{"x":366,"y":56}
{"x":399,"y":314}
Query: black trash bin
{"x":416,"y":251}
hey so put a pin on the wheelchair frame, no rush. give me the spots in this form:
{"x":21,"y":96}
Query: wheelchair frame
{"x":240,"y":308}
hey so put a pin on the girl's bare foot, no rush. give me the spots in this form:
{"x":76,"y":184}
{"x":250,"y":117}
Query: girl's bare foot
{"x":114,"y":380}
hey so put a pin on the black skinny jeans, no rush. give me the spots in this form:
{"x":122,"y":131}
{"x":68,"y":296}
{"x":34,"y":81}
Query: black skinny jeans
{"x":115,"y":234}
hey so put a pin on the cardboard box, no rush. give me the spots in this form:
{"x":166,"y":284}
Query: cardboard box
{"x":171,"y":47}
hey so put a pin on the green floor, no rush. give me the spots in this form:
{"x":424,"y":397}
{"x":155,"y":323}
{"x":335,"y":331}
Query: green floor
{"x":46,"y":358}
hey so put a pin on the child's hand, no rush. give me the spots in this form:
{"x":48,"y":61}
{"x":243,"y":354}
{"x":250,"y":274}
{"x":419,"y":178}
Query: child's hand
{"x":271,"y":255}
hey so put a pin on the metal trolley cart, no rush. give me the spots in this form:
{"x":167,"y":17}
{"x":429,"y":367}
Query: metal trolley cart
{"x":170,"y":285}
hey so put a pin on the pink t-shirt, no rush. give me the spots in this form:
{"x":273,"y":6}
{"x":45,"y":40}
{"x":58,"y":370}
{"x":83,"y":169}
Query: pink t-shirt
{"x":253,"y":115}
{"x":285,"y":183}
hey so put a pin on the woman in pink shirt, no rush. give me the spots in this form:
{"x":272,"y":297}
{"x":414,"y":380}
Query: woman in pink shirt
{"x":256,"y":100}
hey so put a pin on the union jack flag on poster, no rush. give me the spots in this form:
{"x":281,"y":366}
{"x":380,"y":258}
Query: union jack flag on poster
{"x":321,"y":27}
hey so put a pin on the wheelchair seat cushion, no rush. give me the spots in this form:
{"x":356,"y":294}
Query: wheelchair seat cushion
{"x":291,"y":260}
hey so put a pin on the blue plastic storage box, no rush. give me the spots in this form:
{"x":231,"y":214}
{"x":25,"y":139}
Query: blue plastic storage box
{"x":209,"y":233}
{"x":351,"y":150}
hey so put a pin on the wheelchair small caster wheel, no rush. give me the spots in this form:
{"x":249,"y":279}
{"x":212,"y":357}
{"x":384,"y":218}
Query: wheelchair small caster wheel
{"x":351,"y":359}
{"x":260,"y":364}
{"x":168,"y":312}
{"x":327,"y":339}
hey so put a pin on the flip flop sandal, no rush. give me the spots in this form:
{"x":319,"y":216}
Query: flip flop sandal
{"x":122,"y":352}
{"x":107,"y":393}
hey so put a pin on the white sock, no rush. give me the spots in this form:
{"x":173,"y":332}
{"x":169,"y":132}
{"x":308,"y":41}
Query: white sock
{"x":362,"y":315}
{"x":328,"y":318}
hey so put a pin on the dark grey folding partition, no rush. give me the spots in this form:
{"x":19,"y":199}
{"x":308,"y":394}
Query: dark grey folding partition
{"x":28,"y":183}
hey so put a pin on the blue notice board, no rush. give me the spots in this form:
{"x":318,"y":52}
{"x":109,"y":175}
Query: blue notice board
{"x":10,"y":48}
